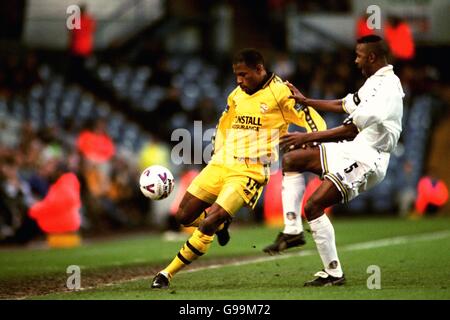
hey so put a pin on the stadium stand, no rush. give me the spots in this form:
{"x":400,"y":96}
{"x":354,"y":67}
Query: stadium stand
{"x":142,"y":101}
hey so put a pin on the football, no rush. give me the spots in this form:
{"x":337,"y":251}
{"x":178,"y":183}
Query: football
{"x":156,"y":182}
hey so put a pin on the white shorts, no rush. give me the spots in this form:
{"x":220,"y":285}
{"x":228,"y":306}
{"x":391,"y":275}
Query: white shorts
{"x":352,"y":168}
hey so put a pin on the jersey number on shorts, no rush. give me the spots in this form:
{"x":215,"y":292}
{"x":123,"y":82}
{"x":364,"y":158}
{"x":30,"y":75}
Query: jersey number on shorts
{"x":249,"y":184}
{"x":349,"y":169}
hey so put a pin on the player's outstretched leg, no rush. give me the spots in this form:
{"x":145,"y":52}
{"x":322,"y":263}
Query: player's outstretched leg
{"x":191,"y":212}
{"x":293,"y":187}
{"x":196,"y":246}
{"x":326,"y":195}
{"x":323,"y":234}
{"x":190,"y":205}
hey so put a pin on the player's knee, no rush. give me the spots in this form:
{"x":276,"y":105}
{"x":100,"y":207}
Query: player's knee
{"x":183,"y":217}
{"x":313,"y":209}
{"x":213,"y":221}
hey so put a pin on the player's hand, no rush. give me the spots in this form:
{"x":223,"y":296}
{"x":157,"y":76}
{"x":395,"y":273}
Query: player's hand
{"x":293,"y":141}
{"x":296,"y":94}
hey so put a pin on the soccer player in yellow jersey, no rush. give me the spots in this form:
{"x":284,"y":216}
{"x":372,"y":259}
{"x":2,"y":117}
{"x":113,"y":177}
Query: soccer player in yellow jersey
{"x":258,"y":112}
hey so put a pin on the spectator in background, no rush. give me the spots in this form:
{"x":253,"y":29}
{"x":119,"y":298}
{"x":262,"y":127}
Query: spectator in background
{"x":95,"y":143}
{"x":407,"y":194}
{"x":399,"y":37}
{"x":15,"y":199}
{"x":81,"y":43}
{"x":104,"y":213}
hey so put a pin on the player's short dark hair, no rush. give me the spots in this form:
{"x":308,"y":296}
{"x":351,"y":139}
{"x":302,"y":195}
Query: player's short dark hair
{"x":251,"y":57}
{"x":371,"y":38}
{"x":376,"y":45}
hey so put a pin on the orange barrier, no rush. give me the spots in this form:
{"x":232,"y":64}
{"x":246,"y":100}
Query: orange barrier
{"x":273,"y":206}
{"x":58,"y":213}
{"x":429,"y":193}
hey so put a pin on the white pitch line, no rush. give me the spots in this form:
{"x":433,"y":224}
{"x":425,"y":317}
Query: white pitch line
{"x":350,"y":247}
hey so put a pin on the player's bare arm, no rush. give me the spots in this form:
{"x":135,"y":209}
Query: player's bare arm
{"x":298,"y":139}
{"x":320,"y":105}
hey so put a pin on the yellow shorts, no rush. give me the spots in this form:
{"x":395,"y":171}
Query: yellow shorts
{"x":230,"y":186}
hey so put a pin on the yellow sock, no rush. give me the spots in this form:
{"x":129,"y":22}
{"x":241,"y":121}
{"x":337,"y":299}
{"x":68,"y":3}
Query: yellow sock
{"x":196,"y":246}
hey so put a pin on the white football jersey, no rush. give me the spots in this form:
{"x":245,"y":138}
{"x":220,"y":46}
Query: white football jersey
{"x":377,"y":110}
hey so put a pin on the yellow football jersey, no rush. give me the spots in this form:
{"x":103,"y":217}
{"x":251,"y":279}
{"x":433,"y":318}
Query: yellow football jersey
{"x":251,"y":125}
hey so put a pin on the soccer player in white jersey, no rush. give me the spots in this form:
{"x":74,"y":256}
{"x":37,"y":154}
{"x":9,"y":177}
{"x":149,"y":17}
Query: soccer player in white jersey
{"x":352,"y":157}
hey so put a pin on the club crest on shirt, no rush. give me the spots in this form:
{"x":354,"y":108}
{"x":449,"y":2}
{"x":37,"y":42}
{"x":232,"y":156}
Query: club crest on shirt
{"x":263,"y":107}
{"x":298,"y":107}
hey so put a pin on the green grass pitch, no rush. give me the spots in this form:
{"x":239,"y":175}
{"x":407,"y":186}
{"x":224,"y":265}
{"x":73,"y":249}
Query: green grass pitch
{"x":413,"y":257}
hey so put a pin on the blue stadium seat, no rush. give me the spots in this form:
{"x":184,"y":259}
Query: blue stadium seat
{"x":188,"y":102}
{"x":114,"y":125}
{"x":103,"y":110}
{"x":192,"y":68}
{"x":35,"y":113}
{"x":37,"y":91}
{"x":179,"y":120}
{"x":105,"y":73}
{"x":3,"y":107}
{"x":175,"y":64}
{"x":18,"y":110}
{"x":191,"y":90}
{"x":44,"y":72}
{"x":209,"y":89}
{"x":179,"y":81}
{"x":143,"y":73}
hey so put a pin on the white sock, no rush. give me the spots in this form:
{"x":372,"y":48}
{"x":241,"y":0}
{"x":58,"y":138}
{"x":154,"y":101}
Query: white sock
{"x":323,"y":235}
{"x":293,"y":187}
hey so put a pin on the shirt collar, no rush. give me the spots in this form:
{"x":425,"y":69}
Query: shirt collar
{"x":268,"y":79}
{"x":264,"y":83}
{"x":384,"y":71}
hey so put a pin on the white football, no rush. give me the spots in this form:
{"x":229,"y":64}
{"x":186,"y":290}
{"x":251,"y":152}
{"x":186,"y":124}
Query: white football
{"x":156,"y":182}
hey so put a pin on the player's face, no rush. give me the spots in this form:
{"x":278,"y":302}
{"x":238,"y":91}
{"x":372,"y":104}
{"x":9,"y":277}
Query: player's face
{"x":247,"y":78}
{"x":362,"y":58}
